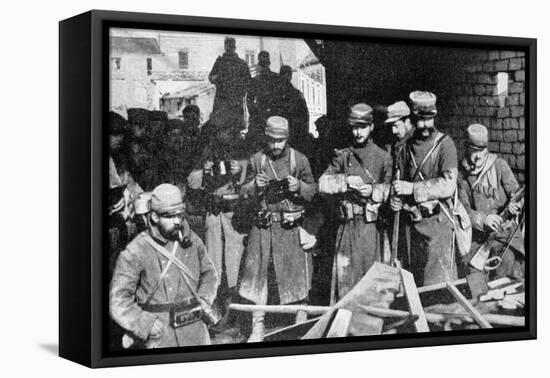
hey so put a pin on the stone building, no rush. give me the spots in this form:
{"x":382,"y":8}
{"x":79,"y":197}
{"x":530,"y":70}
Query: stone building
{"x":472,"y":86}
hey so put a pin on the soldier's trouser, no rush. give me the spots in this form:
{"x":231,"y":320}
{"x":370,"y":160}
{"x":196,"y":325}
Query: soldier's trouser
{"x":224,"y":245}
{"x":357,"y":248}
{"x":432,"y":253}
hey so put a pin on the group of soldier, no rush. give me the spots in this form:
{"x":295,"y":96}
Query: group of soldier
{"x":249,"y":219}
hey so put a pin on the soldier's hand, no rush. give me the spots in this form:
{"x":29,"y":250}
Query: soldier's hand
{"x":396,"y":203}
{"x":208,"y":165}
{"x":234,"y":167}
{"x":365,"y":190}
{"x":402,"y":188}
{"x":293,"y":184}
{"x":354,"y":182}
{"x":261,"y":180}
{"x":493,"y":222}
{"x":515,"y":207}
{"x":157,"y":329}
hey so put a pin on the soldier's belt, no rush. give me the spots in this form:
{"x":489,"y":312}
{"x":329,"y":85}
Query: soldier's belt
{"x":168,"y":307}
{"x":288,"y":219}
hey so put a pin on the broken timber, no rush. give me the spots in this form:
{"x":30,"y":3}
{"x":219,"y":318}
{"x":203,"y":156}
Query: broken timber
{"x":411,"y":292}
{"x":340,"y":324}
{"x":461,"y":299}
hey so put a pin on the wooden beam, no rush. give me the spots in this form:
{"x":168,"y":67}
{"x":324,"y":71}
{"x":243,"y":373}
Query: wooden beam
{"x":431,"y":317}
{"x":280,"y":309}
{"x":340,"y":324}
{"x":415,"y":305}
{"x":476,"y":315}
{"x":435,"y":287}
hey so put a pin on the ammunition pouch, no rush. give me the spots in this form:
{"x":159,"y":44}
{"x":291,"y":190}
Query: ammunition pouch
{"x":288,"y":219}
{"x":348,"y":210}
{"x":263,"y":219}
{"x":185,"y":316}
{"x":423,"y":210}
{"x":291,"y":219}
{"x":181,"y":313}
{"x":224,"y":204}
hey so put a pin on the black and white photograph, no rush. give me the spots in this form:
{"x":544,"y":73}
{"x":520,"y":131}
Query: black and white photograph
{"x":265,"y":189}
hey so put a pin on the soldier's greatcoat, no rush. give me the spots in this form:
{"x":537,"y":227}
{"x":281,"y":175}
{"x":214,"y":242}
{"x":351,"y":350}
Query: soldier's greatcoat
{"x":225,"y":227}
{"x":231,"y":76}
{"x":262,"y":100}
{"x":357,"y":240}
{"x":488,"y":193}
{"x":292,"y":265}
{"x":432,"y":238}
{"x":137,"y":272}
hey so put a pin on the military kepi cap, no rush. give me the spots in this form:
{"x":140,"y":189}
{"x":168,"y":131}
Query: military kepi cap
{"x":166,"y":199}
{"x":423,"y":104}
{"x":276,"y":127}
{"x":478,"y":137}
{"x":397,"y":111}
{"x":360,"y":114}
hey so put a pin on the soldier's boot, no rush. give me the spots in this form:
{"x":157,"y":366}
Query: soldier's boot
{"x":257,"y":334}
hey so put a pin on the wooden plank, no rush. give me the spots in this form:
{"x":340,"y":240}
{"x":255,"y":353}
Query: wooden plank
{"x":435,"y":287}
{"x":413,"y":299}
{"x":301,"y":316}
{"x":292,"y":332}
{"x":340,"y":324}
{"x":280,"y":309}
{"x":476,"y":315}
{"x":378,"y":287}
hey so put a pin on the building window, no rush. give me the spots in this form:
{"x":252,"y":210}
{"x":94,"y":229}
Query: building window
{"x":502,"y":88}
{"x":115,"y":62}
{"x":183,"y":59}
{"x":149,"y":66}
{"x":250,"y":57}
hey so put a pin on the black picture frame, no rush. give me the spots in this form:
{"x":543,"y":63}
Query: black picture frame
{"x":83,"y":110}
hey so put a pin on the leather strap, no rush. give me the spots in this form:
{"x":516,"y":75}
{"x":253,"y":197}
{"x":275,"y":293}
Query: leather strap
{"x":177,"y":262}
{"x":162,"y":275}
{"x":362,"y":164}
{"x":430,"y":152}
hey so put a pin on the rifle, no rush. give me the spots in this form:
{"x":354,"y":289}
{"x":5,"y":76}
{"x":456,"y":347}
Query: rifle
{"x":395,"y":234}
{"x":481,"y":255}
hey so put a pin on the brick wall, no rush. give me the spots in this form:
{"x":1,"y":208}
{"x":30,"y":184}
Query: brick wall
{"x":472,"y":97}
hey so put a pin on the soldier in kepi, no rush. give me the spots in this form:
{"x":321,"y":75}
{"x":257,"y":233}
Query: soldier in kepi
{"x":486,"y":188}
{"x":398,"y":118}
{"x":360,"y":177}
{"x":426,"y":191}
{"x":164,"y":281}
{"x":276,"y":267}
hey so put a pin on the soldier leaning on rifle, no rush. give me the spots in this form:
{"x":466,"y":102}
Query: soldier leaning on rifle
{"x":486,"y":184}
{"x":220,"y":173}
{"x":164,"y":282}
{"x":427,"y":191}
{"x":280,"y":177}
{"x":398,"y":118}
{"x":360,"y":176}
